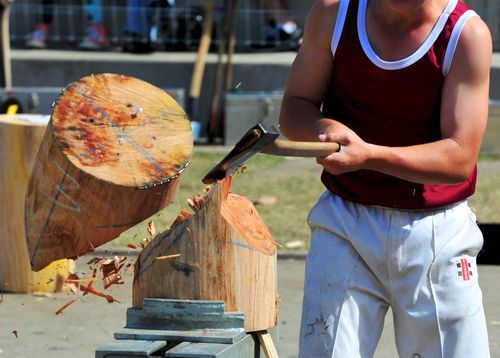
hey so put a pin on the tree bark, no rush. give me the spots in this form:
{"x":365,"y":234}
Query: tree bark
{"x":112,"y":156}
{"x":20,"y":136}
{"x":222,"y":252}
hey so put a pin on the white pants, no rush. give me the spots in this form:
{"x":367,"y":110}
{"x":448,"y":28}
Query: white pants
{"x":422,"y":264}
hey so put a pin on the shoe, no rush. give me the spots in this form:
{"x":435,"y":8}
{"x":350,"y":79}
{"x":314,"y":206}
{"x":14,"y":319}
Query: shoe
{"x":288,"y":30}
{"x":95,"y":38}
{"x":37,"y":39}
{"x":137,"y":43}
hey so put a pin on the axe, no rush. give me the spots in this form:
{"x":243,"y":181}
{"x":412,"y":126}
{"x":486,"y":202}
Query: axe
{"x":262,"y":138}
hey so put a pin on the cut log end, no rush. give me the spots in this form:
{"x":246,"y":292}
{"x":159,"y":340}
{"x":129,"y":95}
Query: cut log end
{"x":241,"y":215}
{"x":110,"y":143}
{"x":122,"y":130}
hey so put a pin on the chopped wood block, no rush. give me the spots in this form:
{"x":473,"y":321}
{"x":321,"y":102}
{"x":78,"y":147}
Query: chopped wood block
{"x":111,"y":157}
{"x":223,"y":258}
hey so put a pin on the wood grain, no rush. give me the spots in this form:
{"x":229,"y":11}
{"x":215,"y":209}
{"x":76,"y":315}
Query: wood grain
{"x":217,"y":261}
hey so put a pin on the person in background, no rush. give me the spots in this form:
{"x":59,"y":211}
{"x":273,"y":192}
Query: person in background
{"x":141,"y":28}
{"x":281,"y":27}
{"x":95,"y":33}
{"x":402,"y":86}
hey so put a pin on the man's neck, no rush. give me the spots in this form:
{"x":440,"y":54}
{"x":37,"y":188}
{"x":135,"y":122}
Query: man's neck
{"x":396,"y":28}
{"x":401,"y":15}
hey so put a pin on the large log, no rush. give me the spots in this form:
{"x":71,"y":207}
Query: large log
{"x":224,"y":251}
{"x":20,"y":136}
{"x":112,"y":156}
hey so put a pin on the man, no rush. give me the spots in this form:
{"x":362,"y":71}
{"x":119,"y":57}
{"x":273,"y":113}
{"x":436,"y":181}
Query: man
{"x":402,"y":85}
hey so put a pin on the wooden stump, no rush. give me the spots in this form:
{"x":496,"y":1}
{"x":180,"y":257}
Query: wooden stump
{"x":223,"y":252}
{"x":20,"y":136}
{"x":111,"y":156}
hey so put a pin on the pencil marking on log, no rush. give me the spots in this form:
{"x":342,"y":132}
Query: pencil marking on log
{"x":43,"y":231}
{"x":150,"y":258}
{"x":61,"y":189}
{"x":239,"y":244}
{"x":123,"y":135}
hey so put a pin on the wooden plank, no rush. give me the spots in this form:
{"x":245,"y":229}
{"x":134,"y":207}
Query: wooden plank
{"x":241,"y":349}
{"x":227,"y":336}
{"x":184,"y":308}
{"x":267,"y":344}
{"x":133,"y":348}
{"x":137,"y":318}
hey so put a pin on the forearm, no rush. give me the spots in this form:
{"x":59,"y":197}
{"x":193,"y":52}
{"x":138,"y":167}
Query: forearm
{"x":441,"y":162}
{"x":301,"y":120}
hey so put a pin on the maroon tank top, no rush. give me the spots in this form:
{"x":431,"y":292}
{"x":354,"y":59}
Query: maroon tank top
{"x":392,"y":104}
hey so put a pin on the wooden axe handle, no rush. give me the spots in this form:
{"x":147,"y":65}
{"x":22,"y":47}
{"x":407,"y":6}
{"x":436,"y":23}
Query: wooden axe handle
{"x":301,"y":149}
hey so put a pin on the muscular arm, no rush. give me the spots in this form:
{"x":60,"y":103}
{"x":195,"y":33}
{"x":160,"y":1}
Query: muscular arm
{"x":463,"y":113}
{"x":300,"y":117}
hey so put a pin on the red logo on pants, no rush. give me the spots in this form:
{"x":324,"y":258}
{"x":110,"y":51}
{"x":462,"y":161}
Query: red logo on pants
{"x":464,"y":267}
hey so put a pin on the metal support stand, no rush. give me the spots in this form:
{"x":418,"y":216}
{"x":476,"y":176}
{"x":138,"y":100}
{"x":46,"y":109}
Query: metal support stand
{"x":181,"y":328}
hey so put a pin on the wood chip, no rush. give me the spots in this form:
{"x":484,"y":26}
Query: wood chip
{"x":295,"y":244}
{"x":196,"y":202}
{"x":94,"y":261}
{"x":183,"y":216}
{"x":92,"y":290}
{"x":151,"y":228}
{"x":72,"y":282}
{"x":144,"y":242}
{"x":114,"y":279}
{"x":80,"y":280}
{"x":112,"y":266}
{"x":266,"y":200}
{"x":168,"y":257}
{"x":61,"y":310}
{"x":242,"y":170}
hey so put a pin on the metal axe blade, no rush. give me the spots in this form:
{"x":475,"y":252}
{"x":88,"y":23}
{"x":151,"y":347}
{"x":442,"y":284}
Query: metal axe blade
{"x":252,"y":142}
{"x":262,"y":138}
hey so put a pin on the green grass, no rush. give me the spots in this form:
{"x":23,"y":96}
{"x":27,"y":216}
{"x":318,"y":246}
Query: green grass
{"x":295,"y":194}
{"x":486,"y":202}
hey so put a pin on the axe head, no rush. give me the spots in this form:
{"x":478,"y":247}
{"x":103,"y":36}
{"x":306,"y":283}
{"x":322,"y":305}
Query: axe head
{"x":252,"y":142}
